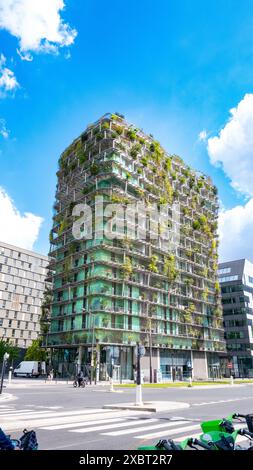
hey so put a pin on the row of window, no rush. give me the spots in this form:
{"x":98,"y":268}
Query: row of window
{"x":229,"y":289}
{"x":233,"y":323}
{"x":22,"y":282}
{"x":21,"y":273}
{"x":224,"y":271}
{"x":33,"y":317}
{"x":22,"y":256}
{"x":237,"y":347}
{"x":14,"y":333}
{"x":228,"y":278}
{"x":235,"y":311}
{"x":25,"y":327}
{"x":23,"y":307}
{"x":20,"y":290}
{"x":234,"y":300}
{"x":234,"y":335}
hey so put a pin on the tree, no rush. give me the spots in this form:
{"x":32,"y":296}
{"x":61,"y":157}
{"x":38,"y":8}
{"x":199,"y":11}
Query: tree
{"x":45,"y":311}
{"x":35,"y":352}
{"x":6,"y":347}
{"x":13,"y":352}
{"x":2,"y":349}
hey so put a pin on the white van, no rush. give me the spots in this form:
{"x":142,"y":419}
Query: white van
{"x":30,"y":369}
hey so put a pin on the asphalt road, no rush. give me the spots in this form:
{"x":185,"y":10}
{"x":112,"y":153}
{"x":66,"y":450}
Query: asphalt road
{"x":68,"y":418}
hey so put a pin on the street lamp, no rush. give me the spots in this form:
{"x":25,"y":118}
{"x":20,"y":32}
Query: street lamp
{"x":5,"y":358}
{"x":150,"y":351}
{"x":92,"y":346}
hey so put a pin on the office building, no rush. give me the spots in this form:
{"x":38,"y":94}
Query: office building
{"x":22,"y":284}
{"x":236,"y":281}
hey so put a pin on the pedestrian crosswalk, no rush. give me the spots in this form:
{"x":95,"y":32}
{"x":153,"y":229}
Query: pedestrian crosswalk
{"x":107,"y":423}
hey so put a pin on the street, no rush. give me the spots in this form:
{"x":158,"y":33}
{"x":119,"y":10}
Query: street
{"x":68,"y":418}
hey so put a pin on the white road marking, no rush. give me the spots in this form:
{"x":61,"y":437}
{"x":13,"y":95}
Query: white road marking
{"x":45,"y":414}
{"x":220,"y":401}
{"x":76,"y":425}
{"x":144,"y":428}
{"x":170,"y":432}
{"x":14,"y":413}
{"x":101,"y":428}
{"x":82,"y":417}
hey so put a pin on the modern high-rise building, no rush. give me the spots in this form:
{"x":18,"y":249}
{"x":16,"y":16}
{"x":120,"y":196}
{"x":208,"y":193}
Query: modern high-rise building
{"x":113,"y":293}
{"x":236,"y":281}
{"x":22,"y":285}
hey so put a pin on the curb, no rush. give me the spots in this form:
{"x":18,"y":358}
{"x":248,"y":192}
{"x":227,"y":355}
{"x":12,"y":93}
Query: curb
{"x":150,"y":406}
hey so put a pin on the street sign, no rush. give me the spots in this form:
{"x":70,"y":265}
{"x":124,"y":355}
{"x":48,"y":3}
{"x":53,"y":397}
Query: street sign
{"x":230,"y":365}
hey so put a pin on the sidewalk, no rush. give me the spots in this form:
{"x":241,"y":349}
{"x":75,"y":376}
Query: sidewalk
{"x":25,"y":383}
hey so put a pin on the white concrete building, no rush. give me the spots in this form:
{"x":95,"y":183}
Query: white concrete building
{"x":22,"y":284}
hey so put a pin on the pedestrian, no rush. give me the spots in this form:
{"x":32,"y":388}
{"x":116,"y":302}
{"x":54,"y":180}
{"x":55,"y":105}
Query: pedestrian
{"x":5,"y":442}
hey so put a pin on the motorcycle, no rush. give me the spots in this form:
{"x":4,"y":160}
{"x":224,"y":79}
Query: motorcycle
{"x":83,"y":382}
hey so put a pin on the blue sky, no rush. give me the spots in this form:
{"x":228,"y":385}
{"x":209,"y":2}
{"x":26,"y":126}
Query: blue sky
{"x":174,"y":68}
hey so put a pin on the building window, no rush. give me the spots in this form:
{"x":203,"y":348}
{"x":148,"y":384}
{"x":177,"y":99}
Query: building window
{"x":224,"y":270}
{"x":228,"y":278}
{"x":251,"y":280}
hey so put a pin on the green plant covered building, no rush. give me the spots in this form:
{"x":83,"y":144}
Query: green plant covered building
{"x":110,"y":294}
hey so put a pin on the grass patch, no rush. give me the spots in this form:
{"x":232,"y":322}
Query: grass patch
{"x":183,"y":384}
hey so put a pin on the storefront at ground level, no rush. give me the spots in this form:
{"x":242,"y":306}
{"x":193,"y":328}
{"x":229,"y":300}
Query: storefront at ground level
{"x":166,"y":364}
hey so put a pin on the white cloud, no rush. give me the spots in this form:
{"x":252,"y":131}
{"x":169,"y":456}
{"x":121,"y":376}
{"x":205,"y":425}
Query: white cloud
{"x":8,"y":81}
{"x":37,"y":24}
{"x":233,"y":147}
{"x":236,"y":232}
{"x":15,"y":228}
{"x":202,"y":136}
{"x":4,"y":132}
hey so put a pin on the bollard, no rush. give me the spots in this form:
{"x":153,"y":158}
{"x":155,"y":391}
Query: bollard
{"x":138,"y":399}
{"x":231,"y":380}
{"x":190,"y":382}
{"x":10,"y":375}
{"x":111,"y":386}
